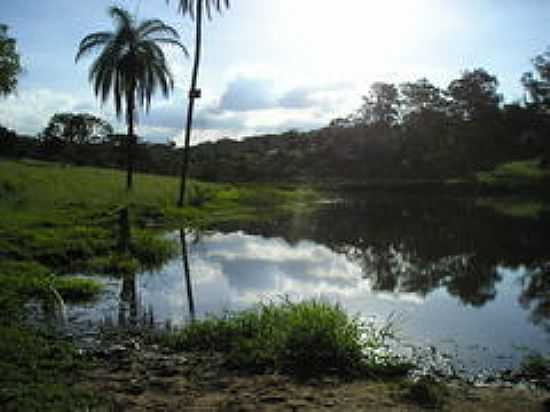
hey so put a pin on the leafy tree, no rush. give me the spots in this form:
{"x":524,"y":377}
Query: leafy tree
{"x":424,"y":108}
{"x":194,"y":8}
{"x":79,"y":128}
{"x":474,"y":95}
{"x":421,"y":96}
{"x":10,"y":64}
{"x":341,"y":122}
{"x":380,"y":106}
{"x":538,"y":84}
{"x":131,"y":66}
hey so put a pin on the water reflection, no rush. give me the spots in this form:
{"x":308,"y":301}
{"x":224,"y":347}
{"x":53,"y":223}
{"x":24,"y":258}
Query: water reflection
{"x":460,"y":276}
{"x":187,"y":274}
{"x":535,"y":296}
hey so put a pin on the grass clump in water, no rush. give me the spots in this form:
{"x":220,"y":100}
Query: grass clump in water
{"x":150,"y":249}
{"x":308,"y":338}
{"x":26,"y":280}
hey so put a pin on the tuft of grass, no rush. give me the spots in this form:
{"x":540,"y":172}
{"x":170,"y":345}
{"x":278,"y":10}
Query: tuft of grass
{"x":150,"y":249}
{"x":76,"y":289}
{"x":536,"y":365}
{"x":520,"y":208}
{"x":428,"y":393}
{"x":308,"y":338}
{"x":23,"y":280}
{"x":512,"y":174}
{"x":117,"y":264}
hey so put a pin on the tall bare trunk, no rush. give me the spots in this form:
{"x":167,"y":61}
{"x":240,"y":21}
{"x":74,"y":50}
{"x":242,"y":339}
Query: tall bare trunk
{"x":192,"y":96}
{"x":131,"y":140}
{"x":187,"y":271}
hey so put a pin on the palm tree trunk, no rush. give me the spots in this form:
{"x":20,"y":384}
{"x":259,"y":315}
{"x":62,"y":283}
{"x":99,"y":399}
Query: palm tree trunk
{"x":130,"y":144}
{"x":191,"y":107}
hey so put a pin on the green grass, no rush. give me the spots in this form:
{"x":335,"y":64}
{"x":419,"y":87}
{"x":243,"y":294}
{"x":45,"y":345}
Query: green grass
{"x":308,"y":338}
{"x":515,"y":173}
{"x":67,"y":217}
{"x":520,"y":208}
{"x":37,"y":372}
{"x":58,"y":220}
{"x":27,"y":280}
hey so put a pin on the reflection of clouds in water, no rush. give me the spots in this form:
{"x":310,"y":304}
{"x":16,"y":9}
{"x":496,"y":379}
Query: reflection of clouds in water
{"x":236,"y":270}
{"x":254,"y":266}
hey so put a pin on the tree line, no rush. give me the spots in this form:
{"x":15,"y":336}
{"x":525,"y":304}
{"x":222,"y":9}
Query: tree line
{"x":411,"y":130}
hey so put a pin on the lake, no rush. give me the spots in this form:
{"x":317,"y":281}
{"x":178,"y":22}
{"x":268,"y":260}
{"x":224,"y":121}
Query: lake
{"x":466,"y":278}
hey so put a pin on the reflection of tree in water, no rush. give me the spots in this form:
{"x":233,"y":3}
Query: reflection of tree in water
{"x":535,"y":295}
{"x":130,"y":311}
{"x":187,"y":271}
{"x":420,"y":243}
{"x":395,"y":268}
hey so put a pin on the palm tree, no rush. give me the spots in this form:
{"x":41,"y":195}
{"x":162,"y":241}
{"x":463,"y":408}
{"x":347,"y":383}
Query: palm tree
{"x":194,"y":8}
{"x":131,"y":67}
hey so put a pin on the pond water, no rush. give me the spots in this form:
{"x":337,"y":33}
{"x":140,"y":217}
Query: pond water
{"x":453,"y":275}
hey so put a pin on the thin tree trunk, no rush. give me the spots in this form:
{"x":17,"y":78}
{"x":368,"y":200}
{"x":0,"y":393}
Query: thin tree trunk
{"x":187,"y":271}
{"x":131,"y":143}
{"x":191,"y":107}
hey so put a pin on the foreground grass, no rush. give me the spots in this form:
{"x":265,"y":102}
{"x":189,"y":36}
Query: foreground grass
{"x":309,"y":338}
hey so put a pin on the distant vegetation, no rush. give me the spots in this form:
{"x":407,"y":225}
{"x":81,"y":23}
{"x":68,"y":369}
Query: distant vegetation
{"x":411,"y":131}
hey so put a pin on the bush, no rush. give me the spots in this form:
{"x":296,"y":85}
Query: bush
{"x":305,"y":339}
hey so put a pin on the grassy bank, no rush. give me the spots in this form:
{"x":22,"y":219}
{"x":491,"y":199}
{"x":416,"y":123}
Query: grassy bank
{"x":513,"y":178}
{"x":65,"y":217}
{"x":58,"y":220}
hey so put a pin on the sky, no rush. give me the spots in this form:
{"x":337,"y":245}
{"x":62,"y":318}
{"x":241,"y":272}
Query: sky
{"x":273,"y":65}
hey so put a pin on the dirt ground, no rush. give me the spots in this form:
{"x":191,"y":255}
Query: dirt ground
{"x":148,"y":380}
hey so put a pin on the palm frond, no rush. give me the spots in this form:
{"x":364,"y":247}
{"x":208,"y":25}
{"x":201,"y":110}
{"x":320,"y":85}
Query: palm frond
{"x":189,"y":6}
{"x":91,"y":42}
{"x":122,"y":17}
{"x":131,"y":66}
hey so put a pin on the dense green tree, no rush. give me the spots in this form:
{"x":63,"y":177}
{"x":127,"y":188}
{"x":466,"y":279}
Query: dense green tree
{"x":10,"y":63}
{"x":421,"y":96}
{"x":538,"y":84}
{"x":131,"y":67}
{"x":538,"y":87}
{"x":380,"y":106}
{"x":79,"y":128}
{"x":194,"y":8}
{"x":474,"y":95}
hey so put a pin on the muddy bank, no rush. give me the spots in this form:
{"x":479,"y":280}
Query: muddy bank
{"x":135,"y":375}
